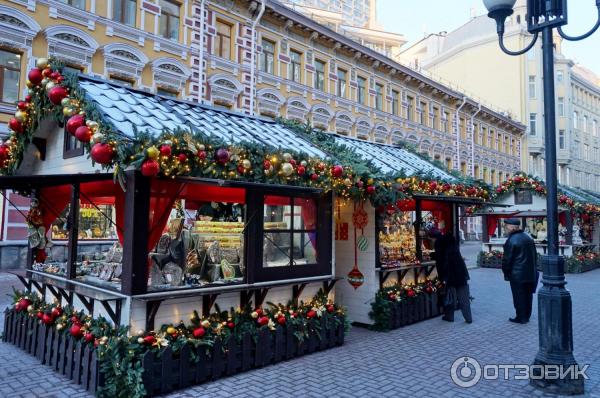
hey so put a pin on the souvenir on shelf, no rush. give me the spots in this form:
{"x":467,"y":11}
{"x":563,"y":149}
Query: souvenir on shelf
{"x":397,"y":241}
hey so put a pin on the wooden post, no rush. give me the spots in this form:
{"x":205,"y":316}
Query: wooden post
{"x":485,"y":237}
{"x":418,"y":221}
{"x":29,"y":265}
{"x":569,"y":226}
{"x":455,"y":222}
{"x":73,"y":232}
{"x":134,"y":279}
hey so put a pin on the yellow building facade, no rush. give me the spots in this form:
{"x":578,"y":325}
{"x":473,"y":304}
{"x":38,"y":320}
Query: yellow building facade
{"x":309,"y":73}
{"x":145,"y":44}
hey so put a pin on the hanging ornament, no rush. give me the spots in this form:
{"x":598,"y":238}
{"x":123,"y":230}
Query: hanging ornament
{"x":371,"y":189}
{"x":286,"y":157}
{"x":102,"y":153}
{"x":347,"y":182}
{"x":301,"y":170}
{"x":97,"y":137}
{"x":15,"y":125}
{"x":68,"y":112}
{"x":165,"y":150}
{"x":150,"y":168}
{"x":56,"y":94}
{"x":20,"y":116}
{"x":222,"y":156}
{"x":41,"y":63}
{"x":355,"y":277}
{"x":153,"y":152}
{"x":287,"y":169}
{"x":74,"y":123}
{"x":182,"y":157}
{"x":35,"y":77}
{"x":360,"y":219}
{"x":362,"y":243}
{"x":267,"y":164}
{"x":83,"y":134}
{"x":337,"y":171}
{"x":246,"y":164}
{"x":304,"y":163}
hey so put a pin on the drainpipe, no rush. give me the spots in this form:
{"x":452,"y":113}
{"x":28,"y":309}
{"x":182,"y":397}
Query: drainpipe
{"x":473,"y":140}
{"x":253,"y":56}
{"x":457,"y":116}
{"x":201,"y":55}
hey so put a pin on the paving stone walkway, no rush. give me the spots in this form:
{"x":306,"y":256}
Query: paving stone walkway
{"x":412,"y":361}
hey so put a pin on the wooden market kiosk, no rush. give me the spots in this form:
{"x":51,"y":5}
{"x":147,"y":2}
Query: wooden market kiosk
{"x":181,"y":243}
{"x":392,"y":247}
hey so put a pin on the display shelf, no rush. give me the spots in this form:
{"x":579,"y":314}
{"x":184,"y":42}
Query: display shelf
{"x":425,"y":268}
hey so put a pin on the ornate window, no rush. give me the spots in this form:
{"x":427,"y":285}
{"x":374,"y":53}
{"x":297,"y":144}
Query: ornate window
{"x":381,"y":133}
{"x":124,"y":11}
{"x":269,"y":102}
{"x":124,"y":62}
{"x":170,"y":74}
{"x":321,"y":116}
{"x":71,"y":45}
{"x":363,"y":129}
{"x":17,"y":30}
{"x":223,"y":40}
{"x":267,"y":57}
{"x":169,"y":19}
{"x":224,"y":89}
{"x":343,"y":123}
{"x":297,"y":109}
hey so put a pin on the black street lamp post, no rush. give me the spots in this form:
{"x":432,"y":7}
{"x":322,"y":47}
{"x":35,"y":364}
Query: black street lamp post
{"x":554,"y":300}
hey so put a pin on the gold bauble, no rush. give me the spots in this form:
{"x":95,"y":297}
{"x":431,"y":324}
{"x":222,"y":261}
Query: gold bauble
{"x":65,"y":101}
{"x":50,"y":85}
{"x":20,"y":116}
{"x":67,"y":111}
{"x":451,"y":192}
{"x":41,"y":63}
{"x":246,"y":164}
{"x":201,"y":147}
{"x":91,"y":124}
{"x":287,"y":169}
{"x":153,"y":152}
{"x":29,"y":84}
{"x":98,"y":137}
{"x":370,"y":181}
{"x":286,"y":157}
{"x":171,"y":330}
{"x":348,"y":182}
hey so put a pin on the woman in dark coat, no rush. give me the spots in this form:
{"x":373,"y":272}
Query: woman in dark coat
{"x":452,"y":270}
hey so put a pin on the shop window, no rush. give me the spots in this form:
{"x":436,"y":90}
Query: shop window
{"x":169,"y":19}
{"x":290,"y":231}
{"x":75,"y":3}
{"x":10,"y":73}
{"x":223,"y":40}
{"x":124,"y":11}
{"x":72,"y":147}
{"x":295,"y":71}
{"x":267,"y":58}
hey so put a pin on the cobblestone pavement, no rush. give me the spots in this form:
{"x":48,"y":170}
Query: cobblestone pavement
{"x":412,"y":361}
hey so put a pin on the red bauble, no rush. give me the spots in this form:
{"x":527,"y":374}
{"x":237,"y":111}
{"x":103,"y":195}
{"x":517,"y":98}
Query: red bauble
{"x":241,"y":169}
{"x":76,"y":331}
{"x":57,"y":94}
{"x":314,"y":177}
{"x":28,"y":98}
{"x":39,"y":315}
{"x":230,"y":325}
{"x":102,"y":153}
{"x":182,"y":157}
{"x":301,"y":170}
{"x":165,"y":150}
{"x":392,"y":297}
{"x":150,"y":339}
{"x":47,"y":319}
{"x":259,"y":311}
{"x":56,"y":312}
{"x":54,"y":75}
{"x":60,"y":79}
{"x":47,"y":72}
{"x":371,"y":189}
{"x":330,"y":308}
{"x":429,"y":289}
{"x":267,"y":164}
{"x":199,"y":332}
{"x":22,"y":105}
{"x":150,"y":168}
{"x":262,"y":321}
{"x":411,"y":293}
{"x":24,"y":303}
{"x":35,"y":76}
{"x":292,"y":162}
{"x":74,"y":123}
{"x":337,"y":171}
{"x":15,"y":125}
{"x":222,"y":156}
{"x":74,"y":319}
{"x":88,"y":337}
{"x":281,"y":320}
{"x":83,"y":134}
{"x":311,"y":314}
{"x":201,"y":155}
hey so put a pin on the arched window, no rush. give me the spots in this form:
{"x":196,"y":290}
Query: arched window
{"x":344,"y":122}
{"x":297,"y":109}
{"x":321,"y":116}
{"x":170,"y":75}
{"x":73,"y":46}
{"x":124,"y":62}
{"x":269,"y":102}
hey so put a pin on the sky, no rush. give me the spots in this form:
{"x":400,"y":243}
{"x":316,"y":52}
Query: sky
{"x":413,"y":17}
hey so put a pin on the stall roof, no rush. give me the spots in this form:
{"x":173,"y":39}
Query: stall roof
{"x":391,"y":158}
{"x":130,"y":110}
{"x":580,"y":195}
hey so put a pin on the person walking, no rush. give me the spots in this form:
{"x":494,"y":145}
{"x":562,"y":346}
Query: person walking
{"x":452,"y":270}
{"x":519,"y":265}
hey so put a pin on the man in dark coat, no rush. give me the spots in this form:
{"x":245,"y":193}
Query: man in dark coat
{"x":451,"y":269}
{"x":519,"y":265}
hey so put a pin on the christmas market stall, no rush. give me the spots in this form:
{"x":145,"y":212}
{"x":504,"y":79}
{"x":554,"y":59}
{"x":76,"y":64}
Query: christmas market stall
{"x":382,"y":247}
{"x":217,"y":231}
{"x":523,"y":196}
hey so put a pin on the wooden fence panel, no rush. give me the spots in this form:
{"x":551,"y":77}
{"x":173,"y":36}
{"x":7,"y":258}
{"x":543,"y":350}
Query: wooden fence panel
{"x":85,"y":367}
{"x":69,"y":361}
{"x":218,"y":360}
{"x":77,"y":363}
{"x":185,"y":375}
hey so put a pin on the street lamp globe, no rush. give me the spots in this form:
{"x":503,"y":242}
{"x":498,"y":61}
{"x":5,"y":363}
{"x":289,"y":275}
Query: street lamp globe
{"x":499,"y":9}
